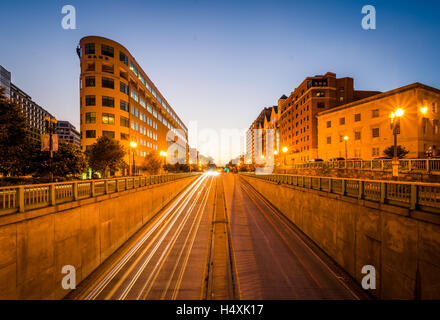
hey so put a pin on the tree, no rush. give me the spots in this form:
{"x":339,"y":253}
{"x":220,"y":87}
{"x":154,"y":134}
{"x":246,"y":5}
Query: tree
{"x":152,"y":163}
{"x":68,"y":160}
{"x":106,"y":154}
{"x":401,"y":152}
{"x":14,"y":143}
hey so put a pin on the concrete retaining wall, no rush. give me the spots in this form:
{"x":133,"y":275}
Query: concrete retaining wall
{"x":402,"y":245}
{"x":35,"y":245}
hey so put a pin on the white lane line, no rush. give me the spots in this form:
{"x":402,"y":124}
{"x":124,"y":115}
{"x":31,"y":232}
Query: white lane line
{"x":103,"y":283}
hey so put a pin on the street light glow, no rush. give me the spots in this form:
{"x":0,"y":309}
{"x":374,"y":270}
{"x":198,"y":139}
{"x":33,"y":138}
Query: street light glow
{"x":275,"y":152}
{"x":133,"y":144}
{"x":163,"y":154}
{"x":424,"y":110}
{"x":285,"y":149}
{"x":399,"y":112}
{"x":346,"y":138}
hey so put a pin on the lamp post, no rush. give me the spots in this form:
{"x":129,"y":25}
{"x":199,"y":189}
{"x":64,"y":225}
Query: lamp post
{"x":51,"y":124}
{"x":346,"y":152}
{"x":133,"y":146}
{"x":395,"y":126}
{"x":284,"y":160}
{"x":164,"y":155}
{"x":190,"y":163}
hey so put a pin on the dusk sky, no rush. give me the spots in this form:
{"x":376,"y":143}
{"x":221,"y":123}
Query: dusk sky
{"x":221,"y":62}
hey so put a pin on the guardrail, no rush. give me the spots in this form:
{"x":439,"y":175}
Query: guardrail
{"x":431,"y":166}
{"x":28,"y":197}
{"x":411,"y":195}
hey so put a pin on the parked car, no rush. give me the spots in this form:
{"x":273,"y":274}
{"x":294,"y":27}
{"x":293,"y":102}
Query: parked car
{"x":315,"y":160}
{"x":354,"y":159}
{"x":337,"y":159}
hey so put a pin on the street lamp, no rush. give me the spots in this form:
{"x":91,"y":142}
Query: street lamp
{"x":51,"y":126}
{"x":164,"y":155}
{"x":346,"y":152}
{"x":395,"y":126}
{"x":423,"y":110}
{"x":133,"y":145}
{"x":190,"y":163}
{"x":285,"y":162}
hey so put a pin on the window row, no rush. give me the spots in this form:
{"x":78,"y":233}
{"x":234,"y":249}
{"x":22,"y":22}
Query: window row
{"x":109,"y":51}
{"x":357,"y":118}
{"x":375,"y":133}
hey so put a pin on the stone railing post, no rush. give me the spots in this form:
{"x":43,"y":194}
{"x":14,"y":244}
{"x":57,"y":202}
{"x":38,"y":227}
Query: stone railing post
{"x":92,"y":189}
{"x":361,"y":189}
{"x":383,"y":192}
{"x":75,"y":190}
{"x":20,"y":198}
{"x":52,"y":199}
{"x":413,"y":198}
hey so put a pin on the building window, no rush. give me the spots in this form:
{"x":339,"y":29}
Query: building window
{"x":108,"y":69}
{"x":125,"y":122}
{"x":108,"y":118}
{"x":357,"y":117}
{"x":375,"y":152}
{"x":320,"y":94}
{"x":341,"y":121}
{"x":108,"y":83}
{"x":329,"y":124}
{"x":123,"y":58}
{"x":123,"y":87}
{"x":341,"y":99}
{"x":90,"y":133}
{"x":110,"y":134}
{"x":90,"y":81}
{"x":357,"y":135}
{"x":375,"y":113}
{"x":133,"y":68}
{"x":90,"y":66}
{"x":321,"y":105}
{"x":107,"y":51}
{"x":90,"y":48}
{"x":375,"y":132}
{"x":435,"y":126}
{"x":329,"y":140}
{"x":90,"y":117}
{"x":124,"y":105}
{"x":134,"y":96}
{"x":108,"y":102}
{"x":90,"y":100}
{"x":124,"y":136}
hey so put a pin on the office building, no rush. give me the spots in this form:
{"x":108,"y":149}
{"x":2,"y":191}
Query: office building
{"x":366,"y":124}
{"x":67,"y":132}
{"x":298,"y":127}
{"x":118,"y":100}
{"x":34,"y":113}
{"x":5,"y":81}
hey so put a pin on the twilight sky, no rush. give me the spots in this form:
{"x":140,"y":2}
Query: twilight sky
{"x":220,"y":62}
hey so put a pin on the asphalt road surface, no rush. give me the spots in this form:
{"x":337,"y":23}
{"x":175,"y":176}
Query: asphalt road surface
{"x":218,"y":239}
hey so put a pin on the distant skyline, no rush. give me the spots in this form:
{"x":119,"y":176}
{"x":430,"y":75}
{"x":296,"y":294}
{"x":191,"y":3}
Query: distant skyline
{"x":221,"y":62}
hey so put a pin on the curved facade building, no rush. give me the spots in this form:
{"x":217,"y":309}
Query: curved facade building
{"x":118,"y":99}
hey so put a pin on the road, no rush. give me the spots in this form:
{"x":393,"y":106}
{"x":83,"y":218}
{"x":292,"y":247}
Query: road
{"x":219,"y":239}
{"x":273,"y":261}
